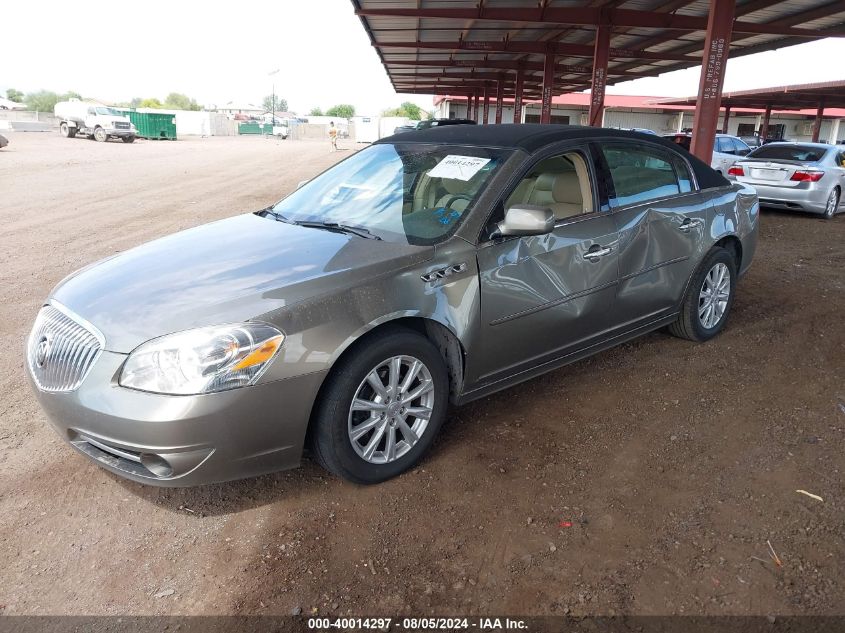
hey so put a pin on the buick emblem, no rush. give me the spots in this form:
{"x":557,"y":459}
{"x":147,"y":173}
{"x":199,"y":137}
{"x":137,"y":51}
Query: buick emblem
{"x":41,"y":351}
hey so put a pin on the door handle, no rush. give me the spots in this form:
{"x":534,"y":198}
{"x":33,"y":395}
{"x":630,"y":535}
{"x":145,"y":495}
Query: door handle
{"x":597,"y":252}
{"x":690,"y":223}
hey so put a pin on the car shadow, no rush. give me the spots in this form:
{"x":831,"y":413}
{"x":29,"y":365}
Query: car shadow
{"x":233,"y":496}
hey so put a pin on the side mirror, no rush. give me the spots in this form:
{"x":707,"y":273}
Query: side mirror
{"x":526,"y":219}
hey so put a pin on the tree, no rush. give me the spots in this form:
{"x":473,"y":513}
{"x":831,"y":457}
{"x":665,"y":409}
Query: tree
{"x":150,"y":103}
{"x":407,"y":109}
{"x":342,"y":110}
{"x":45,"y":100}
{"x":318,"y":111}
{"x":178,"y":101}
{"x":281,"y":104}
{"x":14,"y":95}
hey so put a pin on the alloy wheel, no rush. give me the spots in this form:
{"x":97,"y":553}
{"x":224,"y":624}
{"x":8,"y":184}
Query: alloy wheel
{"x":713,"y":296}
{"x":832,"y":203}
{"x":391,"y":409}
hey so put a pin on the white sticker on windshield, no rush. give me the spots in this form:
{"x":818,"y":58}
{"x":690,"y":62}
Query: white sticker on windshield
{"x":458,"y":167}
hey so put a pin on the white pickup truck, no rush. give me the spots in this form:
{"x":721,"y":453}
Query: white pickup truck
{"x":93,"y":120}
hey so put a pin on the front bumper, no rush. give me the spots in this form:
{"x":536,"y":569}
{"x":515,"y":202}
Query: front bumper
{"x":798,"y":198}
{"x":183,"y":440}
{"x":121,"y":132}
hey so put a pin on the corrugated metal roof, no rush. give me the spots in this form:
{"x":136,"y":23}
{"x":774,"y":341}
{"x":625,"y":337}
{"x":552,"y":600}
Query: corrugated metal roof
{"x":454,"y":41}
{"x":831,"y":94}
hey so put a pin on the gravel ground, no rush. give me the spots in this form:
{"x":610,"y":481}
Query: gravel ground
{"x":645,"y":480}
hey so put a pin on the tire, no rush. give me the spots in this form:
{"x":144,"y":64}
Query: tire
{"x":334,"y":421}
{"x":832,"y":204}
{"x":691,"y":324}
{"x":64,"y":130}
{"x":100,"y":135}
{"x":128,"y":139}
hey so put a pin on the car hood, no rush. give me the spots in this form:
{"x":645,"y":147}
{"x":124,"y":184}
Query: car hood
{"x":224,"y":272}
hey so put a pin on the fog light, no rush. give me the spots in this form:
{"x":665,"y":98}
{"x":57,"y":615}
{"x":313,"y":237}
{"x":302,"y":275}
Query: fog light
{"x":156,"y":464}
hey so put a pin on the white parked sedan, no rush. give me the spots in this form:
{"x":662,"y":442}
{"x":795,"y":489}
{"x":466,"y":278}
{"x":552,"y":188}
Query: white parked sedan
{"x":727,"y":149}
{"x":798,"y":176}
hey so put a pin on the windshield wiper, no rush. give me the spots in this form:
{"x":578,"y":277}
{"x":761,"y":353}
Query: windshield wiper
{"x":275,"y":215}
{"x":360,"y":231}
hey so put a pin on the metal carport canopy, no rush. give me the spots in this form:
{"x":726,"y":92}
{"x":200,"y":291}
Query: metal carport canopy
{"x":532,"y":49}
{"x":829,"y":94}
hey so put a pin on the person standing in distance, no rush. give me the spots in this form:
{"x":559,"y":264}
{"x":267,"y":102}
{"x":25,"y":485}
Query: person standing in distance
{"x":333,"y":136}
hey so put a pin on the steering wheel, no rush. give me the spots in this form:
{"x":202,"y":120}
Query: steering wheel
{"x":457,"y":196}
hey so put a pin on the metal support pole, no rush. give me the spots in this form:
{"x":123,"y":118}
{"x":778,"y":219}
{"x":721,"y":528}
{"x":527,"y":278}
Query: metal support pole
{"x":764,"y":129}
{"x":500,"y":97}
{"x":726,"y":120}
{"x":517,"y":100}
{"x":548,"y":87}
{"x":469,"y":107}
{"x":486,"y":114}
{"x":601,"y":54}
{"x":717,"y":44}
{"x":475,"y":109}
{"x":817,"y":124}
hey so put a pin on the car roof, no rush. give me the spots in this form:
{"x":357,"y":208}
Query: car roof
{"x":527,"y":136}
{"x":806,"y":143}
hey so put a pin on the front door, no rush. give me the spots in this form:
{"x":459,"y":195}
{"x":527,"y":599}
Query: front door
{"x":543,"y":296}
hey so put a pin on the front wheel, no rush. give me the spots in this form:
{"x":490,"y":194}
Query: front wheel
{"x":381,"y":407}
{"x":709,"y":298}
{"x":128,"y":139}
{"x":832,"y":204}
{"x":100,"y":135}
{"x":64,"y":130}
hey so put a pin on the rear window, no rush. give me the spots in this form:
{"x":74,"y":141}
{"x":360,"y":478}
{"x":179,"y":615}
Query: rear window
{"x":800,"y":153}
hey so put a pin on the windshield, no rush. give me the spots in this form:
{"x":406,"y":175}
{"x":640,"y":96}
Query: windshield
{"x":409,"y":192}
{"x":801,"y":153}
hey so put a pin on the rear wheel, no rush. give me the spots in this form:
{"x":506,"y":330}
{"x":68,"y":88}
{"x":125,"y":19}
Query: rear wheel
{"x":64,"y":130}
{"x":832,"y":204}
{"x":381,"y":407}
{"x":100,"y":135}
{"x":709,"y":298}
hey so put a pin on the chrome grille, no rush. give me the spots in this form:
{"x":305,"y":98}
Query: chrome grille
{"x":121,"y":125}
{"x":61,"y":350}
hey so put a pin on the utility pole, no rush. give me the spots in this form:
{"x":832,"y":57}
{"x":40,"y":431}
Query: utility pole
{"x":273,"y":98}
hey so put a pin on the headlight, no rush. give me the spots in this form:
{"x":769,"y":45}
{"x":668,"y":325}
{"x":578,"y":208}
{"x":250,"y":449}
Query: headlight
{"x":202,"y":360}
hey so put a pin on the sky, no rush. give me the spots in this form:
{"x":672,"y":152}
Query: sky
{"x":218,"y":55}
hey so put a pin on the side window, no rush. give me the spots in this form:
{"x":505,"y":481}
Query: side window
{"x":641,"y":174}
{"x":561,"y":183}
{"x":724,"y":145}
{"x":741,"y":148}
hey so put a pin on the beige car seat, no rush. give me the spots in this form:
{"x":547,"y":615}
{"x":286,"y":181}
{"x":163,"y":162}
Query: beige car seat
{"x":566,"y":193}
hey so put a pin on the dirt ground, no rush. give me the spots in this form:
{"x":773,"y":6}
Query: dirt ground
{"x":645,"y":480}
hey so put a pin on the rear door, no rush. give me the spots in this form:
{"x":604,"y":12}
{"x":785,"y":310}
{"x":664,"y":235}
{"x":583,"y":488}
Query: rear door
{"x":544,"y":296}
{"x":724,"y":154}
{"x":662,"y":220}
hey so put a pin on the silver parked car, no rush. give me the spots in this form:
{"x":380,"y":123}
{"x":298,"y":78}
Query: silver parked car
{"x":798,"y":176}
{"x":414,"y":274}
{"x":727,"y":149}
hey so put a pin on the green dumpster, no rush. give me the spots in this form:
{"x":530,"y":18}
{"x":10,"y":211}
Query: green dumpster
{"x":153,"y":125}
{"x":254,"y":127}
